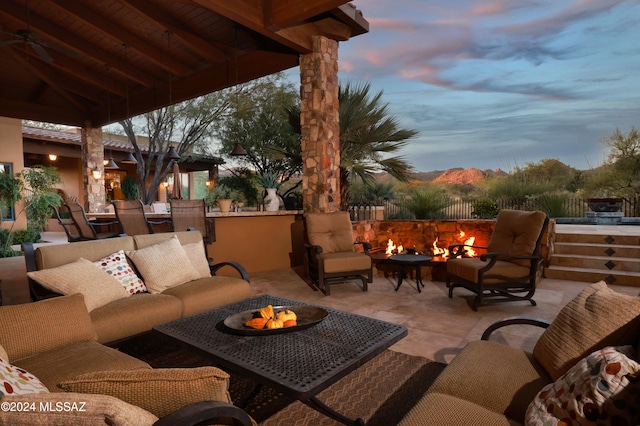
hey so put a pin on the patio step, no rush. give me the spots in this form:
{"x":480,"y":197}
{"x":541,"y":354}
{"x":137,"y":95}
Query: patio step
{"x":592,"y":257}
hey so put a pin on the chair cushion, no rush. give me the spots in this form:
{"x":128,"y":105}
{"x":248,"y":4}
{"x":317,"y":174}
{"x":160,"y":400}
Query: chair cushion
{"x":133,"y":315}
{"x":603,"y":388}
{"x":84,"y":277}
{"x":163,"y":265}
{"x":31,"y":328}
{"x":514,"y":375}
{"x":17,"y":381}
{"x":345,"y":261}
{"x":447,"y":410}
{"x":209,"y":293}
{"x":160,"y":391}
{"x":595,"y":318}
{"x":331,"y":231}
{"x":517,"y":232}
{"x":92,"y":410}
{"x":467,"y":268}
{"x":67,"y":362}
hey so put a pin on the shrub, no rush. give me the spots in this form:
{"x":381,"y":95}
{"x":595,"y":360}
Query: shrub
{"x":24,"y":236}
{"x":428,"y":202}
{"x":485,"y":209}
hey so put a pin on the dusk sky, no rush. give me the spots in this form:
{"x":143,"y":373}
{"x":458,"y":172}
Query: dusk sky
{"x":500,"y":83}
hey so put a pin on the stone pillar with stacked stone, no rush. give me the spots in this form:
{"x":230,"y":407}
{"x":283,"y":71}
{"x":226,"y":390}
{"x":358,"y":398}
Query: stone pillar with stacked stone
{"x":319,"y":120}
{"x":92,"y":159}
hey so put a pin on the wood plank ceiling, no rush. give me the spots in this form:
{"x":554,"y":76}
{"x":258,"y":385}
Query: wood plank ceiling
{"x":98,"y":61}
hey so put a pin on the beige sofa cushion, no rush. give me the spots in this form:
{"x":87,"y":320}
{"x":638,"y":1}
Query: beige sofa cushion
{"x":516,"y":232}
{"x":84,"y":277}
{"x":3,"y":354}
{"x":17,"y":381}
{"x":36,"y":327}
{"x":499,"y":378}
{"x":209,"y":293}
{"x":52,"y":255}
{"x":439,"y":409}
{"x":595,"y":318}
{"x":57,"y":365}
{"x":160,"y":391}
{"x":331,"y":231}
{"x":198,"y":257}
{"x":134,"y":315}
{"x":99,"y":410}
{"x":163,"y":265}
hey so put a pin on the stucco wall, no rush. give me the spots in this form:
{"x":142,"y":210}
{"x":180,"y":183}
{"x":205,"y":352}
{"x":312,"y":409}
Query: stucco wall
{"x":11,"y":152}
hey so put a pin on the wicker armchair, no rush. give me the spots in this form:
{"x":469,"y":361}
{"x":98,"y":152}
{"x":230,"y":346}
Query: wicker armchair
{"x":88,"y":229}
{"x":70,"y":228}
{"x":133,"y":219}
{"x":509,"y":269}
{"x":331,"y":255}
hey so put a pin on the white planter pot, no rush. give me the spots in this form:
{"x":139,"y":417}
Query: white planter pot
{"x":225,"y":205}
{"x":271,"y":201}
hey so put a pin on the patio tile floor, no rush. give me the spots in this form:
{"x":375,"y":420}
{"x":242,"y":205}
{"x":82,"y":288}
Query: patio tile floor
{"x":439,"y":327}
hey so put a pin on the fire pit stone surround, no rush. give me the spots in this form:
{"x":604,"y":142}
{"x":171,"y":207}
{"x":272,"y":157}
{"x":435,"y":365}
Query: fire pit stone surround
{"x":424,"y":235}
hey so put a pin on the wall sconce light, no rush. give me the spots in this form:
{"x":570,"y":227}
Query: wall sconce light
{"x":53,"y":157}
{"x":165,"y":184}
{"x":97,"y":174}
{"x":208,"y":183}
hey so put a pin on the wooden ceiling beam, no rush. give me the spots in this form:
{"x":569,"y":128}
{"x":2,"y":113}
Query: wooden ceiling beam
{"x":201,"y":47}
{"x":285,"y":13}
{"x":38,"y":111}
{"x":82,"y":75}
{"x":44,"y":76}
{"x":77,"y":43}
{"x":107,"y":27}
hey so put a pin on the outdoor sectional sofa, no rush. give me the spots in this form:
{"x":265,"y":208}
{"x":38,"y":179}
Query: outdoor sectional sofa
{"x":583,"y":370}
{"x":157,"y":259}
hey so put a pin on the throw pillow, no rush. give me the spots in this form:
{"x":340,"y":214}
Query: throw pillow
{"x":595,"y":318}
{"x":163,"y":265}
{"x":160,"y":391}
{"x":81,"y":276}
{"x":3,"y":354}
{"x":198,"y":257}
{"x":16,"y":381}
{"x":602,"y":389}
{"x":82,"y":409}
{"x":117,"y":266}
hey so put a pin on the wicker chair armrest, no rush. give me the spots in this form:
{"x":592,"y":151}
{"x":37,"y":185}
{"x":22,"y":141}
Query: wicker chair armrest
{"x":97,"y":223}
{"x":538,"y":322}
{"x":214,"y":267}
{"x":210,"y":411}
{"x":158,"y":222}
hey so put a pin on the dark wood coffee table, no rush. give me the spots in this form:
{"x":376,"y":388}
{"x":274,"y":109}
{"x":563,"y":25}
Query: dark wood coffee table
{"x":410,"y":261}
{"x":300,"y":363}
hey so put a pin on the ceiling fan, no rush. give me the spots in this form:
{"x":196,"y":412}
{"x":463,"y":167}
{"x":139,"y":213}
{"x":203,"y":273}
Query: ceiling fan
{"x":34,"y":40}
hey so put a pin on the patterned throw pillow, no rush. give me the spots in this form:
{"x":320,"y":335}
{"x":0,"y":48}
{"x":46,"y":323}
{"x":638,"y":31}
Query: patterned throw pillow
{"x":117,"y":266}
{"x":602,"y":389}
{"x":16,"y":381}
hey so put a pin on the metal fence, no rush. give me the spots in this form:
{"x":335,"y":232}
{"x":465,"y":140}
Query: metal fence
{"x":555,"y":207}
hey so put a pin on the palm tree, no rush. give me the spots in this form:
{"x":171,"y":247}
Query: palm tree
{"x":368,"y":137}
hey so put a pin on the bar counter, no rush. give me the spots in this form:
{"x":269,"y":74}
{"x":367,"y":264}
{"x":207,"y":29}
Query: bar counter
{"x":259,"y":240}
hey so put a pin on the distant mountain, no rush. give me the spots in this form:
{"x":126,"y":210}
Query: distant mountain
{"x":467,"y":176}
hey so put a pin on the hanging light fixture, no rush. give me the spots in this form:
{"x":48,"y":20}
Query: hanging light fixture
{"x":111,"y":164}
{"x":131,"y":159}
{"x":238,"y":149}
{"x":173,"y":154}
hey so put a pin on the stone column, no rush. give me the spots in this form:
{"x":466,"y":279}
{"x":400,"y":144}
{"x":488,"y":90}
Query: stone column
{"x":319,"y":120}
{"x":92,"y":159}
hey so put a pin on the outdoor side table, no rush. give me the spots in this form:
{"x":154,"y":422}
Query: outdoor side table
{"x":405,"y":261}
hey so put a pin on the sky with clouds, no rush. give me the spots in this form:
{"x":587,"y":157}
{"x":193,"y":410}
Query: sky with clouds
{"x":501,"y":83}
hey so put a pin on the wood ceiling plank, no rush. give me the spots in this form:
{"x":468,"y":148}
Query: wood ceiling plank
{"x":44,"y":76}
{"x":120,"y":34}
{"x":77,"y":43}
{"x":38,"y":111}
{"x":201,"y":47}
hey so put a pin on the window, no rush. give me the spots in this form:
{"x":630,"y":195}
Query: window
{"x":8,"y":212}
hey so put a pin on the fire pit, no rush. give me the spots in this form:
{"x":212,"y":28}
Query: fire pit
{"x":600,"y":205}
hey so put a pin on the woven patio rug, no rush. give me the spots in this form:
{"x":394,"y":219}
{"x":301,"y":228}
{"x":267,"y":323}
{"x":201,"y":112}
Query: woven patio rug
{"x":381,"y":392}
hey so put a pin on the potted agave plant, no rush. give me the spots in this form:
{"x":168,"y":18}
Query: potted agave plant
{"x":269,"y":181}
